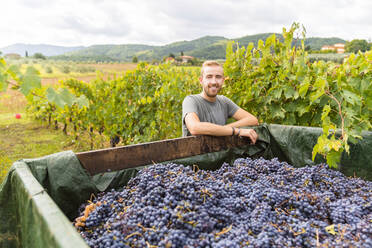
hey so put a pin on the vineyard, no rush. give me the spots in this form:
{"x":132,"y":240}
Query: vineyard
{"x":249,"y":202}
{"x":275,"y":81}
{"x":128,"y":108}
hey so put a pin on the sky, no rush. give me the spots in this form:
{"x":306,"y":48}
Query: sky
{"x":160,"y":22}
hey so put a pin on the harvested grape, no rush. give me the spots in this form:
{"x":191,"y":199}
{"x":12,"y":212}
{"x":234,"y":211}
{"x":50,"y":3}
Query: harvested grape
{"x":252,"y":203}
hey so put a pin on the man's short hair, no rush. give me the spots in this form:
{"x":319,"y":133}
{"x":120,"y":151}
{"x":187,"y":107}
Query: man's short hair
{"x":209,"y":63}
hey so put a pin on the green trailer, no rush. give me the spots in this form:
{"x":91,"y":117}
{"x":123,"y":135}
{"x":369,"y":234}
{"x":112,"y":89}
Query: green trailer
{"x":40,"y":197}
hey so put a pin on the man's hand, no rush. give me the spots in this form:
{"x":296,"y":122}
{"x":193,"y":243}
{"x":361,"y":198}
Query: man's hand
{"x":250,"y":133}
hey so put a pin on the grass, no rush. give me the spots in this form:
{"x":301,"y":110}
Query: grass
{"x":27,"y":138}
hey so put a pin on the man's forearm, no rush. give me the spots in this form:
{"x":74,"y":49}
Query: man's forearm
{"x":208,"y":128}
{"x":244,"y":122}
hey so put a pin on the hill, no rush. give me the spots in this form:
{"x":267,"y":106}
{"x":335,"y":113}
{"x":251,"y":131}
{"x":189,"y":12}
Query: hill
{"x":207,"y":47}
{"x":317,"y":43}
{"x":105,"y":53}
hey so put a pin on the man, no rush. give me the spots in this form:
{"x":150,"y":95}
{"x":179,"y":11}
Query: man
{"x":207,"y":112}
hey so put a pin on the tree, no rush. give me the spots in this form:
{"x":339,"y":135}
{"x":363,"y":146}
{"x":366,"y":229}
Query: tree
{"x":179,"y":59}
{"x":26,"y":54}
{"x":181,"y":53}
{"x":357,"y":45}
{"x":135,"y":59}
{"x":172,"y":55}
{"x":39,"y":56}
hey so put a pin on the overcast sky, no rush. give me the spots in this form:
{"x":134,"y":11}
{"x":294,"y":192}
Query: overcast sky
{"x":160,"y":22}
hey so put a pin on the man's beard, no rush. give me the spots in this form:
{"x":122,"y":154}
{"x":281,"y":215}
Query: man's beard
{"x":206,"y":90}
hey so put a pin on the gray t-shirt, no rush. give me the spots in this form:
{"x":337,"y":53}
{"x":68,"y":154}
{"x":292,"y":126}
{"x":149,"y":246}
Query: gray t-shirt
{"x":214,"y":112}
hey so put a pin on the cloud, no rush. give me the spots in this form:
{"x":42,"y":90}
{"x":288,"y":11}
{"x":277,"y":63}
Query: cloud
{"x":192,"y":19}
{"x":88,"y":22}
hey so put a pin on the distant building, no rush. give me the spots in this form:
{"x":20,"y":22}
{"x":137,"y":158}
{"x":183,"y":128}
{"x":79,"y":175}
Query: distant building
{"x":12,"y":56}
{"x":186,"y":58}
{"x":169,"y":59}
{"x":338,"y":47}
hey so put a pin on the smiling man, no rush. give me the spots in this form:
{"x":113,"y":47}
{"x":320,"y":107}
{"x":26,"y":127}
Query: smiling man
{"x":207,"y":112}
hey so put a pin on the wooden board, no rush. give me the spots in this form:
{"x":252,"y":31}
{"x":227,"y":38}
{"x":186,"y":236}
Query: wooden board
{"x":119,"y":158}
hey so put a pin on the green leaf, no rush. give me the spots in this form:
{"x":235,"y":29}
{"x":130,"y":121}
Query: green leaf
{"x":289,"y":92}
{"x":302,"y":109}
{"x":55,"y":98}
{"x":351,"y":97}
{"x":277,"y":93}
{"x":82,"y":101}
{"x":320,"y":83}
{"x":260,"y":44}
{"x":325,"y":112}
{"x":270,"y":40}
{"x":276,"y":111}
{"x":249,"y":48}
{"x":315,"y":95}
{"x":296,"y":95}
{"x":315,"y":151}
{"x":30,"y":80}
{"x":303,"y":89}
{"x":333,"y":158}
{"x":67,"y":97}
{"x":365,"y":84}
{"x":351,"y":112}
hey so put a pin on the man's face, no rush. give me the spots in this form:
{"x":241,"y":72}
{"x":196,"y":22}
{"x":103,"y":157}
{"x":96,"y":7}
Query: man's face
{"x":212,"y":80}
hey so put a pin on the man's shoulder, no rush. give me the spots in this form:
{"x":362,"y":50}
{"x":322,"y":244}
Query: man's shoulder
{"x":193,"y":97}
{"x":222,"y":98}
{"x":197,"y":98}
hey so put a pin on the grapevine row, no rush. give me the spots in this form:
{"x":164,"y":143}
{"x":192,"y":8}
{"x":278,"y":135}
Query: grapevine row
{"x":142,"y":105}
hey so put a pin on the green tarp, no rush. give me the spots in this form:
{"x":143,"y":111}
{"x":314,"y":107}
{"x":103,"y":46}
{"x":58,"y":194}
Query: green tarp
{"x":40,"y":197}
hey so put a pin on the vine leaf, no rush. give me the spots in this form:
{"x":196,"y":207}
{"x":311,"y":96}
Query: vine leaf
{"x":30,"y":80}
{"x":54,"y":97}
{"x":67,"y":97}
{"x":351,"y":98}
{"x":82,"y":101}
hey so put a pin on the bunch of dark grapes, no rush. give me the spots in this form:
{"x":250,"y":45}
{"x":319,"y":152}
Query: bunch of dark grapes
{"x":252,"y":203}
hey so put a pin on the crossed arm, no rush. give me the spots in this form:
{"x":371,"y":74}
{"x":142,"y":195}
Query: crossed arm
{"x":242,"y":117}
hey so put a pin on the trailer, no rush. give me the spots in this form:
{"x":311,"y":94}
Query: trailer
{"x":39,"y":197}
